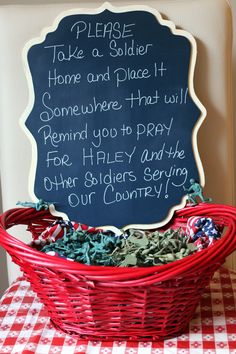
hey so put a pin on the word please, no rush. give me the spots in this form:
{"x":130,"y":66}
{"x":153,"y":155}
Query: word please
{"x":108,"y":30}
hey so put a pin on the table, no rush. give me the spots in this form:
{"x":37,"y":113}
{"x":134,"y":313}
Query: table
{"x":25,"y":327}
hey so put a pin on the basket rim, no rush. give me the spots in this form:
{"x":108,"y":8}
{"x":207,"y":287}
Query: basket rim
{"x":220,"y":250}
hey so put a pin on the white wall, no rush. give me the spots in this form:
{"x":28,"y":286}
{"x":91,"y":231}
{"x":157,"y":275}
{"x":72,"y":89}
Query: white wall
{"x":3,"y":264}
{"x":233,"y":5}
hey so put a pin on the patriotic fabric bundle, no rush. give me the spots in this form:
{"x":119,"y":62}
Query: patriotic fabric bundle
{"x":59,"y":229}
{"x":203,"y":231}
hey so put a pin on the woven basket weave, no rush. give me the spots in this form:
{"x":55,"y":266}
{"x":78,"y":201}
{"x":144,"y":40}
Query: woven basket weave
{"x":96,"y":302}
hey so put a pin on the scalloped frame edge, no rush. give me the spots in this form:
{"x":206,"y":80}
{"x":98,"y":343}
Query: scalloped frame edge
{"x":115,"y":9}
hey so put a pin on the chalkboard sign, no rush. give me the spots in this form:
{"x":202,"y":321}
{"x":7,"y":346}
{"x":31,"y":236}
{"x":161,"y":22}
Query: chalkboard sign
{"x":113,"y":116}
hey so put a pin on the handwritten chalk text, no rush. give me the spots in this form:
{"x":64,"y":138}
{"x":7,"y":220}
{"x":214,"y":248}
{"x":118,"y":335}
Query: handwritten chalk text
{"x":102,"y":30}
{"x":65,"y":53}
{"x":54,"y":138}
{"x":95,"y":106}
{"x":92,"y":157}
{"x":92,"y":178}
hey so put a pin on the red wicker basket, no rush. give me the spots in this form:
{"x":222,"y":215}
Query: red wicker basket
{"x":120,"y":303}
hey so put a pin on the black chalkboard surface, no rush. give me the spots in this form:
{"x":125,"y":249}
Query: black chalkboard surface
{"x":113,"y":117}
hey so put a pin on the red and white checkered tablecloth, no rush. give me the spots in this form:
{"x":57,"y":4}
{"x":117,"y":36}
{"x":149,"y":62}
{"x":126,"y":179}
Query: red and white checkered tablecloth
{"x":25,"y":327}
